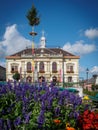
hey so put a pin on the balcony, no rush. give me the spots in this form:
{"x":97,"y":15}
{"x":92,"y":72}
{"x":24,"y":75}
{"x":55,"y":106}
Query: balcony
{"x":41,"y":71}
{"x":55,"y":71}
{"x":14,"y":71}
{"x":69,"y":71}
{"x":29,"y":71}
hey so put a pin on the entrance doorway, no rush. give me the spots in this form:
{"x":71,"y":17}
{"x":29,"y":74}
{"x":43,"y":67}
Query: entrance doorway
{"x":54,"y":80}
{"x":29,"y":79}
{"x":41,"y":79}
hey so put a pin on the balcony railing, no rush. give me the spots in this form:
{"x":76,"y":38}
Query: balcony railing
{"x":29,"y":71}
{"x":14,"y":71}
{"x":55,"y":71}
{"x":41,"y":71}
{"x":70,"y":71}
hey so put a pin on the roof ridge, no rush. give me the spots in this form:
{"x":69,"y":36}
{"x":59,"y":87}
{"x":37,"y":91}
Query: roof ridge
{"x":51,"y":50}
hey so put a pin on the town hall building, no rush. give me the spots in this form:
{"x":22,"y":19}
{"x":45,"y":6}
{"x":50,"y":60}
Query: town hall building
{"x":49,"y":63}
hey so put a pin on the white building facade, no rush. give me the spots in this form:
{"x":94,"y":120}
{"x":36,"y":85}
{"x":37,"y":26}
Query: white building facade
{"x":46,"y":62}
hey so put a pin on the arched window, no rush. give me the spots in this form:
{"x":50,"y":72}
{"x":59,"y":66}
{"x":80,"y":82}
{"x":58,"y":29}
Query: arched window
{"x":29,"y":67}
{"x":41,"y":67}
{"x":54,"y":67}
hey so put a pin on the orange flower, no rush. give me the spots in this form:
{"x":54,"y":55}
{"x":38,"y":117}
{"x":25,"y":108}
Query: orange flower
{"x":56,"y":121}
{"x":68,"y":127}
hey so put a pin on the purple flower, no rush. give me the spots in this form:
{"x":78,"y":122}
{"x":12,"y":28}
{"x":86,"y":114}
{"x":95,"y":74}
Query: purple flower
{"x":9,"y":124}
{"x":41,"y":118}
{"x":49,"y":105}
{"x":1,"y":123}
{"x":27,"y":118}
{"x":57,"y":111}
{"x":86,"y":107}
{"x":76,"y":114}
{"x":35,"y":97}
{"x":43,"y":105}
{"x":17,"y":121}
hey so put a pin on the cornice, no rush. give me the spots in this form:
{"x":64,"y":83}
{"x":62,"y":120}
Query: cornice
{"x":72,"y":57}
{"x":13,"y":57}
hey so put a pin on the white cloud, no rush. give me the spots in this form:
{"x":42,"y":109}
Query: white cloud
{"x":12,"y":41}
{"x":79,"y":47}
{"x":91,"y":33}
{"x":94,"y":70}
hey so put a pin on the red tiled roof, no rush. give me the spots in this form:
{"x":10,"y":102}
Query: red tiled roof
{"x":54,"y":51}
{"x":45,"y":51}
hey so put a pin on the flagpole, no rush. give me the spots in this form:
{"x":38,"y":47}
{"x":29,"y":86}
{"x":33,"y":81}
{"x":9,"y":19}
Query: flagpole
{"x":33,"y":52}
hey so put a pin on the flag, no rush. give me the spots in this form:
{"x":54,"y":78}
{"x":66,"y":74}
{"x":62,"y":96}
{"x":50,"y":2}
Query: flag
{"x":61,"y":75}
{"x":20,"y":72}
{"x":33,"y":48}
{"x":33,"y":65}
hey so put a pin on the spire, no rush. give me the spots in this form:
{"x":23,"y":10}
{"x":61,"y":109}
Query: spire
{"x":43,"y":40}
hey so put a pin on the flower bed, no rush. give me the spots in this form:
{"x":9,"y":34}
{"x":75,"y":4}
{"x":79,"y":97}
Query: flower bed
{"x":25,"y":107}
{"x":88,"y":120}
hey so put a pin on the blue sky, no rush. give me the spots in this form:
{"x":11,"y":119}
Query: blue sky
{"x":70,"y":24}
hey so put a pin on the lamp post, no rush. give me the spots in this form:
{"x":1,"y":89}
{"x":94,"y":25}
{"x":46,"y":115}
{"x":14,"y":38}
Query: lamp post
{"x":87,"y":71}
{"x":63,"y":72}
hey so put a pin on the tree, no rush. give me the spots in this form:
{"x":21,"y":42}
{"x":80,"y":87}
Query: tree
{"x":33,"y":17}
{"x":16,"y":76}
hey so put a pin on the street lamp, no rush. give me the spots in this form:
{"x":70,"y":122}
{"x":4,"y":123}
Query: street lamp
{"x":63,"y":72}
{"x":87,"y":71}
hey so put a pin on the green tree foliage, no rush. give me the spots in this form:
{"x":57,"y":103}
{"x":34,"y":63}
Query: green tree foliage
{"x":16,"y":76}
{"x":33,"y":17}
{"x":94,"y":87}
{"x":90,"y":93}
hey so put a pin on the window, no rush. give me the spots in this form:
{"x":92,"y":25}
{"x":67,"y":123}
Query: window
{"x":54,"y":67}
{"x":29,"y":67}
{"x":41,"y":67}
{"x":69,"y":79}
{"x":70,"y":67}
{"x":14,"y":68}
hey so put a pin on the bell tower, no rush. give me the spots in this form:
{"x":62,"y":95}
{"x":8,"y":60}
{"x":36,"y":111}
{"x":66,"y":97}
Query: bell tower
{"x":43,"y":41}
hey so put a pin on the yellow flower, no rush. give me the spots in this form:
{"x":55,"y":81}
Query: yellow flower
{"x":86,"y":98}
